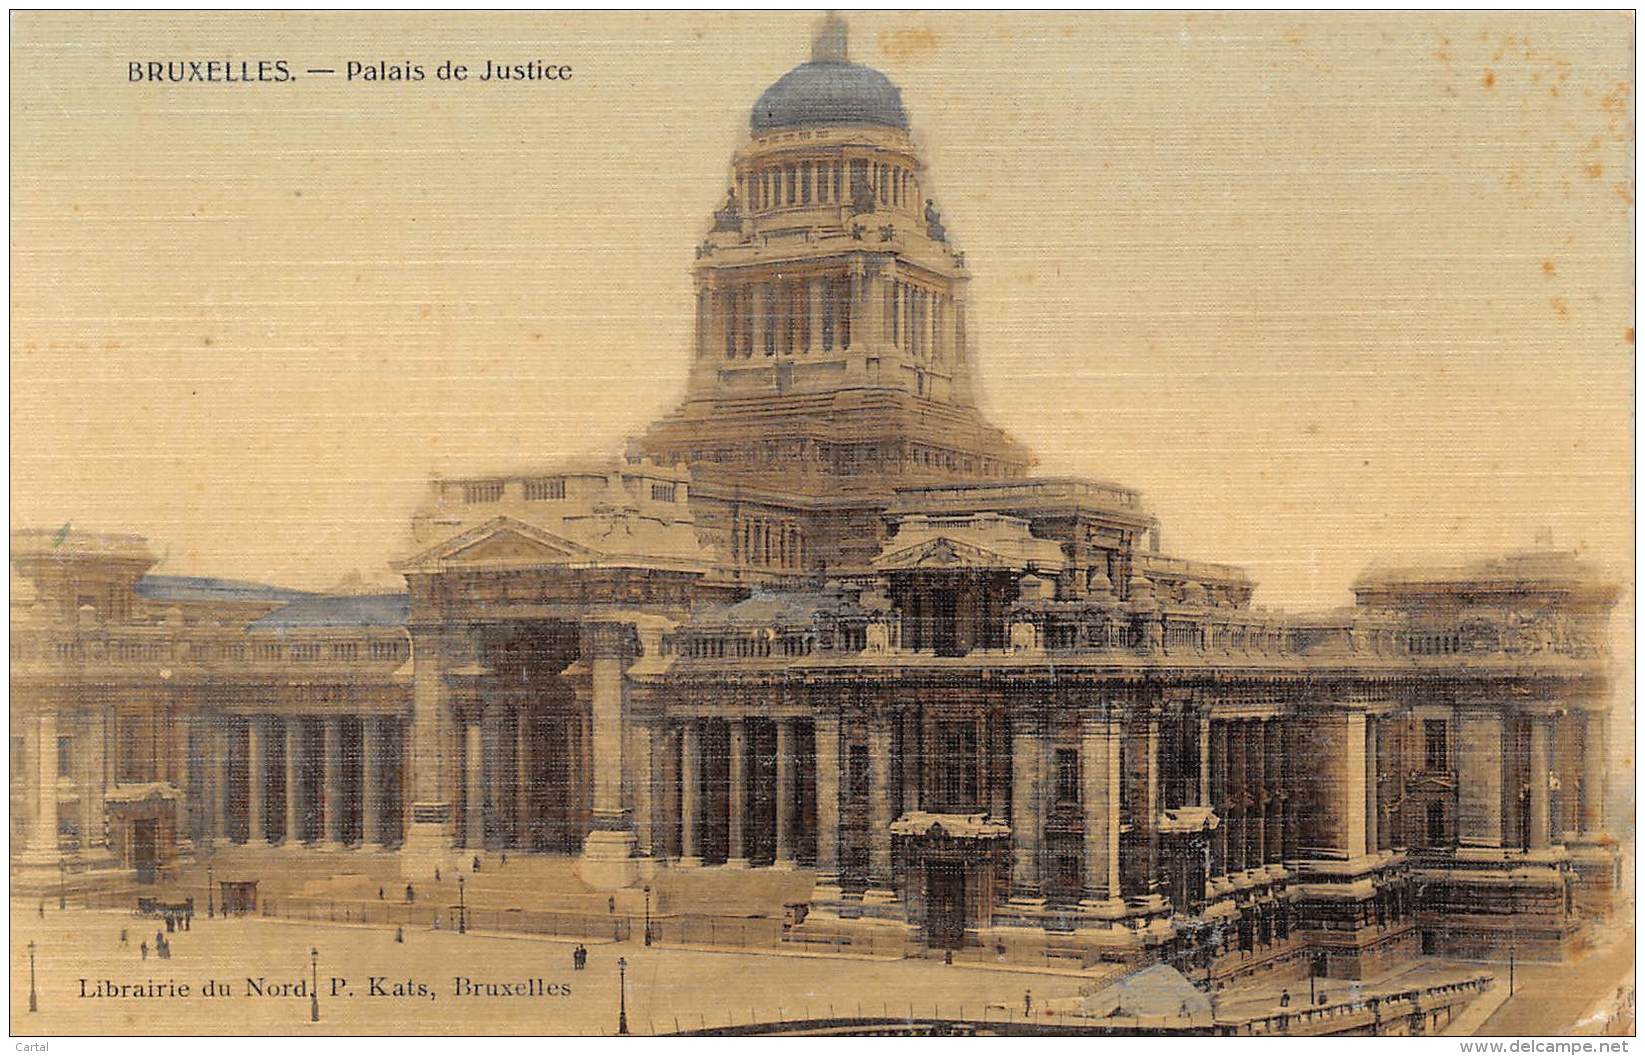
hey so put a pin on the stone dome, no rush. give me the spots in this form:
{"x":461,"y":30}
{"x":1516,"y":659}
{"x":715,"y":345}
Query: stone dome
{"x":829,"y":90}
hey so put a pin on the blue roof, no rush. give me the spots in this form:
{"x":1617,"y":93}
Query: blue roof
{"x":829,"y":92}
{"x":338,"y":610}
{"x":211,"y":589}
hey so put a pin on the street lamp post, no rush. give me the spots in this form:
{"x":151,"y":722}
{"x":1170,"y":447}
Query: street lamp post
{"x":34,"y":1000}
{"x":1510,"y":971}
{"x":211,"y":901}
{"x":62,"y":883}
{"x":622,"y":997}
{"x":648,"y":914}
{"x":314,"y":985}
{"x":462,"y":909}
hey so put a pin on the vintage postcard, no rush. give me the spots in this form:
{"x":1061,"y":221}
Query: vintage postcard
{"x":794,"y":524}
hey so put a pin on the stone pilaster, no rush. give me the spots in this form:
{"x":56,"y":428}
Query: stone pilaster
{"x":221,"y":743}
{"x":786,"y":766}
{"x":1027,"y":806}
{"x":1479,"y":752}
{"x":879,"y":802}
{"x":690,"y":795}
{"x":1373,"y":808}
{"x":828,"y":798}
{"x":1594,"y":746}
{"x":1100,"y":803}
{"x":42,"y":842}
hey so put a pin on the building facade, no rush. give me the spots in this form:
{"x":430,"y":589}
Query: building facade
{"x":822,"y":618}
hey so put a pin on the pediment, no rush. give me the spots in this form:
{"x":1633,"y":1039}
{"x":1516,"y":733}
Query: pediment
{"x":943,"y":553}
{"x":507,"y":545}
{"x":500,"y":543}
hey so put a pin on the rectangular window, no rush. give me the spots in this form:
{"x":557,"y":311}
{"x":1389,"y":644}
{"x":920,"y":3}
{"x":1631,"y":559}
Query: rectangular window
{"x":129,"y":761}
{"x":65,"y":757}
{"x":859,"y":771}
{"x":805,"y":183}
{"x":1436,"y":823}
{"x":957,"y":766}
{"x":1435,"y":756}
{"x":1068,"y":775}
{"x":484,"y":491}
{"x":308,"y":652}
{"x":662,"y":493}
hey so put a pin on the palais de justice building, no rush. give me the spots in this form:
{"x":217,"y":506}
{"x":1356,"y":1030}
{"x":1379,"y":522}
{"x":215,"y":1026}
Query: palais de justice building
{"x":822,"y":618}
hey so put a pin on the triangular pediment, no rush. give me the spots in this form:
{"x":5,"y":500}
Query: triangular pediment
{"x":943,"y":553}
{"x":502,"y":542}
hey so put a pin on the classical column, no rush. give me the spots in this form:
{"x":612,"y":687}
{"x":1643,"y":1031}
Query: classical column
{"x":737,"y":799}
{"x":814,"y":288}
{"x":1219,"y":795}
{"x":1204,"y":753}
{"x":879,"y":801}
{"x":1100,"y":799}
{"x":335,"y":812}
{"x":1238,"y":813}
{"x":473,"y":785}
{"x":1373,"y":808}
{"x":786,"y":761}
{"x":828,"y":798}
{"x":522,"y":777}
{"x":293,"y":727}
{"x":1479,"y":785}
{"x":43,"y":833}
{"x":221,"y":743}
{"x":1537,"y":777}
{"x":690,"y":794}
{"x":1256,"y":743}
{"x":429,"y":757}
{"x":256,"y":790}
{"x":1278,"y":792}
{"x":1027,"y":811}
{"x":1594,"y":743}
{"x":371,"y":750}
{"x":608,"y":848}
{"x":92,"y":796}
{"x":644,"y":785}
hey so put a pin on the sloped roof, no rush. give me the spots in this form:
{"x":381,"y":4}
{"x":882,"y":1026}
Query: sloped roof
{"x":338,"y":610}
{"x":211,"y":589}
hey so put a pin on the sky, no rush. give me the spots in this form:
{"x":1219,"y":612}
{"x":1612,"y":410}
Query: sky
{"x":1329,"y":289}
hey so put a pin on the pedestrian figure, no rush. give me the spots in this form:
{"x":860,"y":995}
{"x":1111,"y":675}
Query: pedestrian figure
{"x":1027,"y":1002}
{"x":505,"y":858}
{"x":436,"y":874}
{"x":159,"y":940}
{"x":400,"y":934}
{"x":143,"y":947}
{"x":948,"y":956}
{"x":611,"y":904}
{"x":171,"y":923}
{"x":379,"y":894}
{"x":476,"y":863}
{"x":1285,"y":999}
{"x":124,"y":939}
{"x":42,"y":907}
{"x":188,"y":920}
{"x":411,"y":896}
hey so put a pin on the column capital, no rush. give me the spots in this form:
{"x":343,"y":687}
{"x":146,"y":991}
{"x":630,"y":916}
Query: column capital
{"x":607,"y":639}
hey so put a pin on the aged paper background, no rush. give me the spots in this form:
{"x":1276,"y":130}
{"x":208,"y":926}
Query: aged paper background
{"x":1327,"y":288}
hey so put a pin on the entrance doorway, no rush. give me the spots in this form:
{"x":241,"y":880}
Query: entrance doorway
{"x":945,"y":905}
{"x":145,"y":849}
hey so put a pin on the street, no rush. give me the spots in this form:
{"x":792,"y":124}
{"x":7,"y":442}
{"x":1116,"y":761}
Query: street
{"x":667,"y":989}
